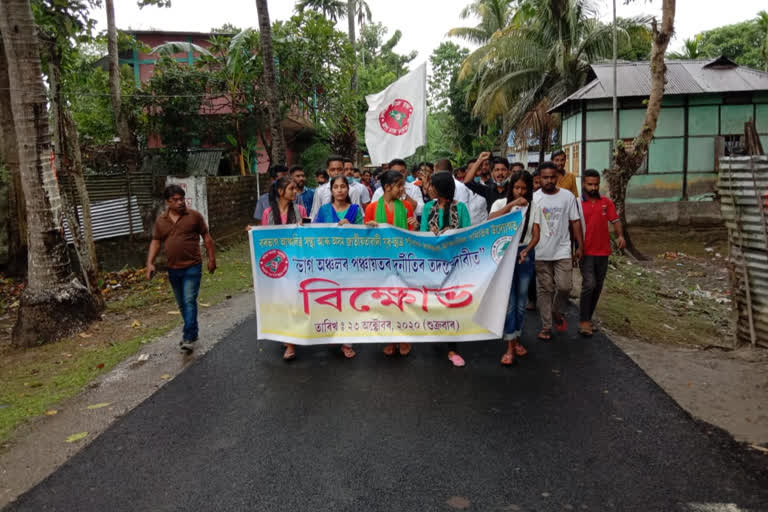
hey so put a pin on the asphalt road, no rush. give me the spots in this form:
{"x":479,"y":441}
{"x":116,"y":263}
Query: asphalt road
{"x":574,"y":426}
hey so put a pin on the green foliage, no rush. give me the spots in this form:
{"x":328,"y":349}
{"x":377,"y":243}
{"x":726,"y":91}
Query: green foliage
{"x":544,"y":54}
{"x":86,"y":86}
{"x":494,"y":15}
{"x":638,"y":45}
{"x":313,"y":158}
{"x":171,"y":102}
{"x":740,"y":42}
{"x":445,"y":62}
{"x":691,"y":50}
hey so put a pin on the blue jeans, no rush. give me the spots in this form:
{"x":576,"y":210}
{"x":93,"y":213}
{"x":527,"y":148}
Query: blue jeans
{"x":186,"y":284}
{"x":518,"y":296}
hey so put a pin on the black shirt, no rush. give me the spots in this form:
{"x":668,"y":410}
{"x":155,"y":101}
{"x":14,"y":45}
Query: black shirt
{"x":489,"y":192}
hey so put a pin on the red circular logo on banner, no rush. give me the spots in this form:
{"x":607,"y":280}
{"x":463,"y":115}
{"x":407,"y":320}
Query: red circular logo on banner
{"x":394,"y":119}
{"x":274,"y":263}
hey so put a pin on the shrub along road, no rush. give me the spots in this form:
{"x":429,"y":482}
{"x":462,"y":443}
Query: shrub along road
{"x":574,"y":426}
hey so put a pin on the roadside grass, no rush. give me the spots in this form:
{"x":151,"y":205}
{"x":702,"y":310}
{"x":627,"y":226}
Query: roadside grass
{"x":661,"y":301}
{"x":35,"y":380}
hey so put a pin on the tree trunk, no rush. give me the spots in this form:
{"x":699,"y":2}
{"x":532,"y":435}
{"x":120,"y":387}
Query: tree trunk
{"x":69,"y":166}
{"x":351,"y":4}
{"x":121,"y":123}
{"x":627,"y":160}
{"x":17,"y":230}
{"x":352,"y":37}
{"x":54,"y":303}
{"x":277,"y":155}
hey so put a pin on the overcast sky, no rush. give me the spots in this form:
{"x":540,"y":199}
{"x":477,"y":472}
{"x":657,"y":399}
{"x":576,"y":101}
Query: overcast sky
{"x":424,"y":23}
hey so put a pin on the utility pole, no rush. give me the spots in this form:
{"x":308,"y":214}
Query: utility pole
{"x":615,"y":85}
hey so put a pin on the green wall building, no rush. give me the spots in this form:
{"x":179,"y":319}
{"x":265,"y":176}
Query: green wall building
{"x":702,"y":100}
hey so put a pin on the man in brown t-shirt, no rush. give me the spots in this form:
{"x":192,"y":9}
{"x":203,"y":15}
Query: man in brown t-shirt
{"x":180,"y":229}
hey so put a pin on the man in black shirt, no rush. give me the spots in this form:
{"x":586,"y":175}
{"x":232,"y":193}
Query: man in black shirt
{"x":497,"y":185}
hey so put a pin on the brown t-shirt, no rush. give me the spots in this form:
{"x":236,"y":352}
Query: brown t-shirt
{"x":181,"y":239}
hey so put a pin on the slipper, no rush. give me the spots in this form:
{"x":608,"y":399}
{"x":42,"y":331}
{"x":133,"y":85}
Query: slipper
{"x":520,"y":350}
{"x":389,"y":350}
{"x":561,"y":325}
{"x":348,"y":351}
{"x":508,"y":359}
{"x":405,"y":349}
{"x":585,"y":329}
{"x":457,"y":360}
{"x":545,"y":334}
{"x":289,"y":354}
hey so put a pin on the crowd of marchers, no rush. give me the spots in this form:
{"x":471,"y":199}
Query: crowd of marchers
{"x":562,"y":230}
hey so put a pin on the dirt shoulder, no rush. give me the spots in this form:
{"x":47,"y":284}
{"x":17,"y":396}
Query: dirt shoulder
{"x":673,"y":316}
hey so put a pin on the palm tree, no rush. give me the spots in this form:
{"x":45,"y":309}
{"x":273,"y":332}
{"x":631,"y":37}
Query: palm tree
{"x":545,"y":53}
{"x":494,"y":15}
{"x":334,"y":10}
{"x":126,"y":137}
{"x":270,"y":84}
{"x":690,"y":51}
{"x":762,"y":22}
{"x":54,"y":303}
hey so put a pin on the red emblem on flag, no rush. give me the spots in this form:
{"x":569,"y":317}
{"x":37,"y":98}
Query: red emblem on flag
{"x":394,"y":119}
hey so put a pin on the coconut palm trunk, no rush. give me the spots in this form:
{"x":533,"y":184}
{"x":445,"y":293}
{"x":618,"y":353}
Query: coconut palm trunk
{"x":54,"y":303}
{"x":69,"y":164}
{"x":17,"y":225}
{"x":121,"y":123}
{"x":277,"y":155}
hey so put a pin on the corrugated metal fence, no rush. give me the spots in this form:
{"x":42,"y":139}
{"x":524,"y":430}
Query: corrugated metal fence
{"x":109,"y":198}
{"x":743,"y":189}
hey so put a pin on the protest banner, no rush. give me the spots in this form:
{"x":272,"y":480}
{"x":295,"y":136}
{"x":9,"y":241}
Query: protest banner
{"x":357,"y":284}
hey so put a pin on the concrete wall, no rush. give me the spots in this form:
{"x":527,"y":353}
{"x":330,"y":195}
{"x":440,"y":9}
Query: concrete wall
{"x":684,"y":213}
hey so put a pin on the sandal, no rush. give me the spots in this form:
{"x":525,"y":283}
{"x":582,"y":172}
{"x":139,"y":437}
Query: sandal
{"x":561,"y":324}
{"x":545,"y":334}
{"x":389,"y":350}
{"x":405,"y":349}
{"x":456,"y":359}
{"x":520,"y":350}
{"x":290,"y":353}
{"x":348,"y":351}
{"x":508,"y":358}
{"x":585,"y":329}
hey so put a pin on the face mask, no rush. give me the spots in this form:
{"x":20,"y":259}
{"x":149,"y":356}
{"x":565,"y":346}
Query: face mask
{"x":353,"y":180}
{"x":410,"y":179}
{"x":501,"y":184}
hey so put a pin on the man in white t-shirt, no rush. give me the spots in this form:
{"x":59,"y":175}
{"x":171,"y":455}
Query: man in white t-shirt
{"x":560,"y":220}
{"x":412,"y":192}
{"x":335,"y":167}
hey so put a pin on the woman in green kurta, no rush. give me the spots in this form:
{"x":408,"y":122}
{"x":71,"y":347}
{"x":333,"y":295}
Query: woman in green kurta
{"x":439,"y":215}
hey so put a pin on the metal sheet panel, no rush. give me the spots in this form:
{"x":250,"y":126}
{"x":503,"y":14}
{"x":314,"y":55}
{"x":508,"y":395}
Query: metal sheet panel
{"x":683,"y":77}
{"x":111,"y":218}
{"x":743,"y":189}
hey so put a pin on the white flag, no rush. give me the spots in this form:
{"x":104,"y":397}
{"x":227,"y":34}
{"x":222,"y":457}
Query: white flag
{"x":396,"y":122}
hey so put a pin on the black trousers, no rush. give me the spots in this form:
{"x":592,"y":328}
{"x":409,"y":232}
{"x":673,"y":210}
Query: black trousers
{"x":593,"y":271}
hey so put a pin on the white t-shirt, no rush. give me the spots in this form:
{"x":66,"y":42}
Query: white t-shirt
{"x":358,"y":194}
{"x":411,"y":190}
{"x":534,"y":219}
{"x":556,"y":211}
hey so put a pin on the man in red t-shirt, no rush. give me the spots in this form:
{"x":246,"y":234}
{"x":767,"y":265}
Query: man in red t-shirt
{"x":598,"y":213}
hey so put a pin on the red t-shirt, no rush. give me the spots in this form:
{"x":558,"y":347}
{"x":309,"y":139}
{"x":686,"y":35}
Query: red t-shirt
{"x":370,"y":214}
{"x":597,"y":215}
